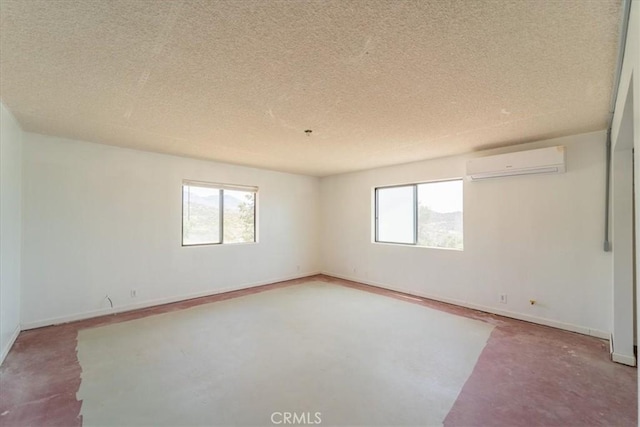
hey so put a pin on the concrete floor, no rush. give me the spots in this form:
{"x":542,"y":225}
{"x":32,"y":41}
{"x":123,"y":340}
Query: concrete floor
{"x":526,"y":375}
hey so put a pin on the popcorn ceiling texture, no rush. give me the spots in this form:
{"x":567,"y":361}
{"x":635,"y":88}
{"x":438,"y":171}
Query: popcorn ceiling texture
{"x":378,"y":82}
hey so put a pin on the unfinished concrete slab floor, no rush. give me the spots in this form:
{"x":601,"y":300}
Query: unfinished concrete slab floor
{"x":352,"y":357}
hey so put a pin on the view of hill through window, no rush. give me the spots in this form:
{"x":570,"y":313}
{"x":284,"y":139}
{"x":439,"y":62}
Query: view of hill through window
{"x":440,"y":214}
{"x":204,"y":222}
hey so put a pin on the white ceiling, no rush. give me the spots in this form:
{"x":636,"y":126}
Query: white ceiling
{"x":378,"y":82}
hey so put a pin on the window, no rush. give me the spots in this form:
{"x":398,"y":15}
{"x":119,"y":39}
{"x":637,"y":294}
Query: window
{"x":217,"y":214}
{"x":428,"y":214}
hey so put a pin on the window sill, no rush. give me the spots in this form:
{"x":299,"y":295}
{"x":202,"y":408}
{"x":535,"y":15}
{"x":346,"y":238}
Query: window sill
{"x":409,"y":245}
{"x":219,"y":244}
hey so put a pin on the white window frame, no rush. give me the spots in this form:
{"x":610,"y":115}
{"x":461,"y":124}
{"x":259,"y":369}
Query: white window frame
{"x":415,"y":214}
{"x":221,"y":187}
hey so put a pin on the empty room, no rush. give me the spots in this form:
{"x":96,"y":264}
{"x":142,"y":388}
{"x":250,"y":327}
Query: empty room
{"x":305,"y":212}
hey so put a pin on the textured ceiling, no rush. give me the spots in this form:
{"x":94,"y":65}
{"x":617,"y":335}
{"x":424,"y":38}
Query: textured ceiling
{"x":378,"y":82}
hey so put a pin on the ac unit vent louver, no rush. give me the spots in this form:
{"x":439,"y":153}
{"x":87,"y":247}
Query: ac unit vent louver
{"x":532,"y":162}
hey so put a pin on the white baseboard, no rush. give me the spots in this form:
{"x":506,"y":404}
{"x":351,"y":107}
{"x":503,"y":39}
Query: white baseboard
{"x":7,"y":347}
{"x":514,"y":315}
{"x":154,"y":302}
{"x":624,"y":359}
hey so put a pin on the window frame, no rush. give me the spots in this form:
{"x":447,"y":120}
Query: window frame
{"x":376,"y":217}
{"x":415,"y":214}
{"x":221,"y":187}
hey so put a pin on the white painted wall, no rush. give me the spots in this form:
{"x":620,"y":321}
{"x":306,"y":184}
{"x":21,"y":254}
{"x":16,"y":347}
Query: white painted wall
{"x":532,"y":237}
{"x":102,"y":220}
{"x":10,"y":229}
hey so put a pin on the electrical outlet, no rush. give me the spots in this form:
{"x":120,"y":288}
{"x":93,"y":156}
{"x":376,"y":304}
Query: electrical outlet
{"x":297,"y":267}
{"x":502,"y":298}
{"x":134,"y":293}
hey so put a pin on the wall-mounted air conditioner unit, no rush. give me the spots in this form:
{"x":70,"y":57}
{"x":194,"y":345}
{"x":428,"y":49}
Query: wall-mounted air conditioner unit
{"x":540,"y":161}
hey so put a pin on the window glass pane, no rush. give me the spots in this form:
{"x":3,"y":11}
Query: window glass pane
{"x":395,"y":214}
{"x":440,"y":214}
{"x":239,"y":215}
{"x":200,"y":215}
